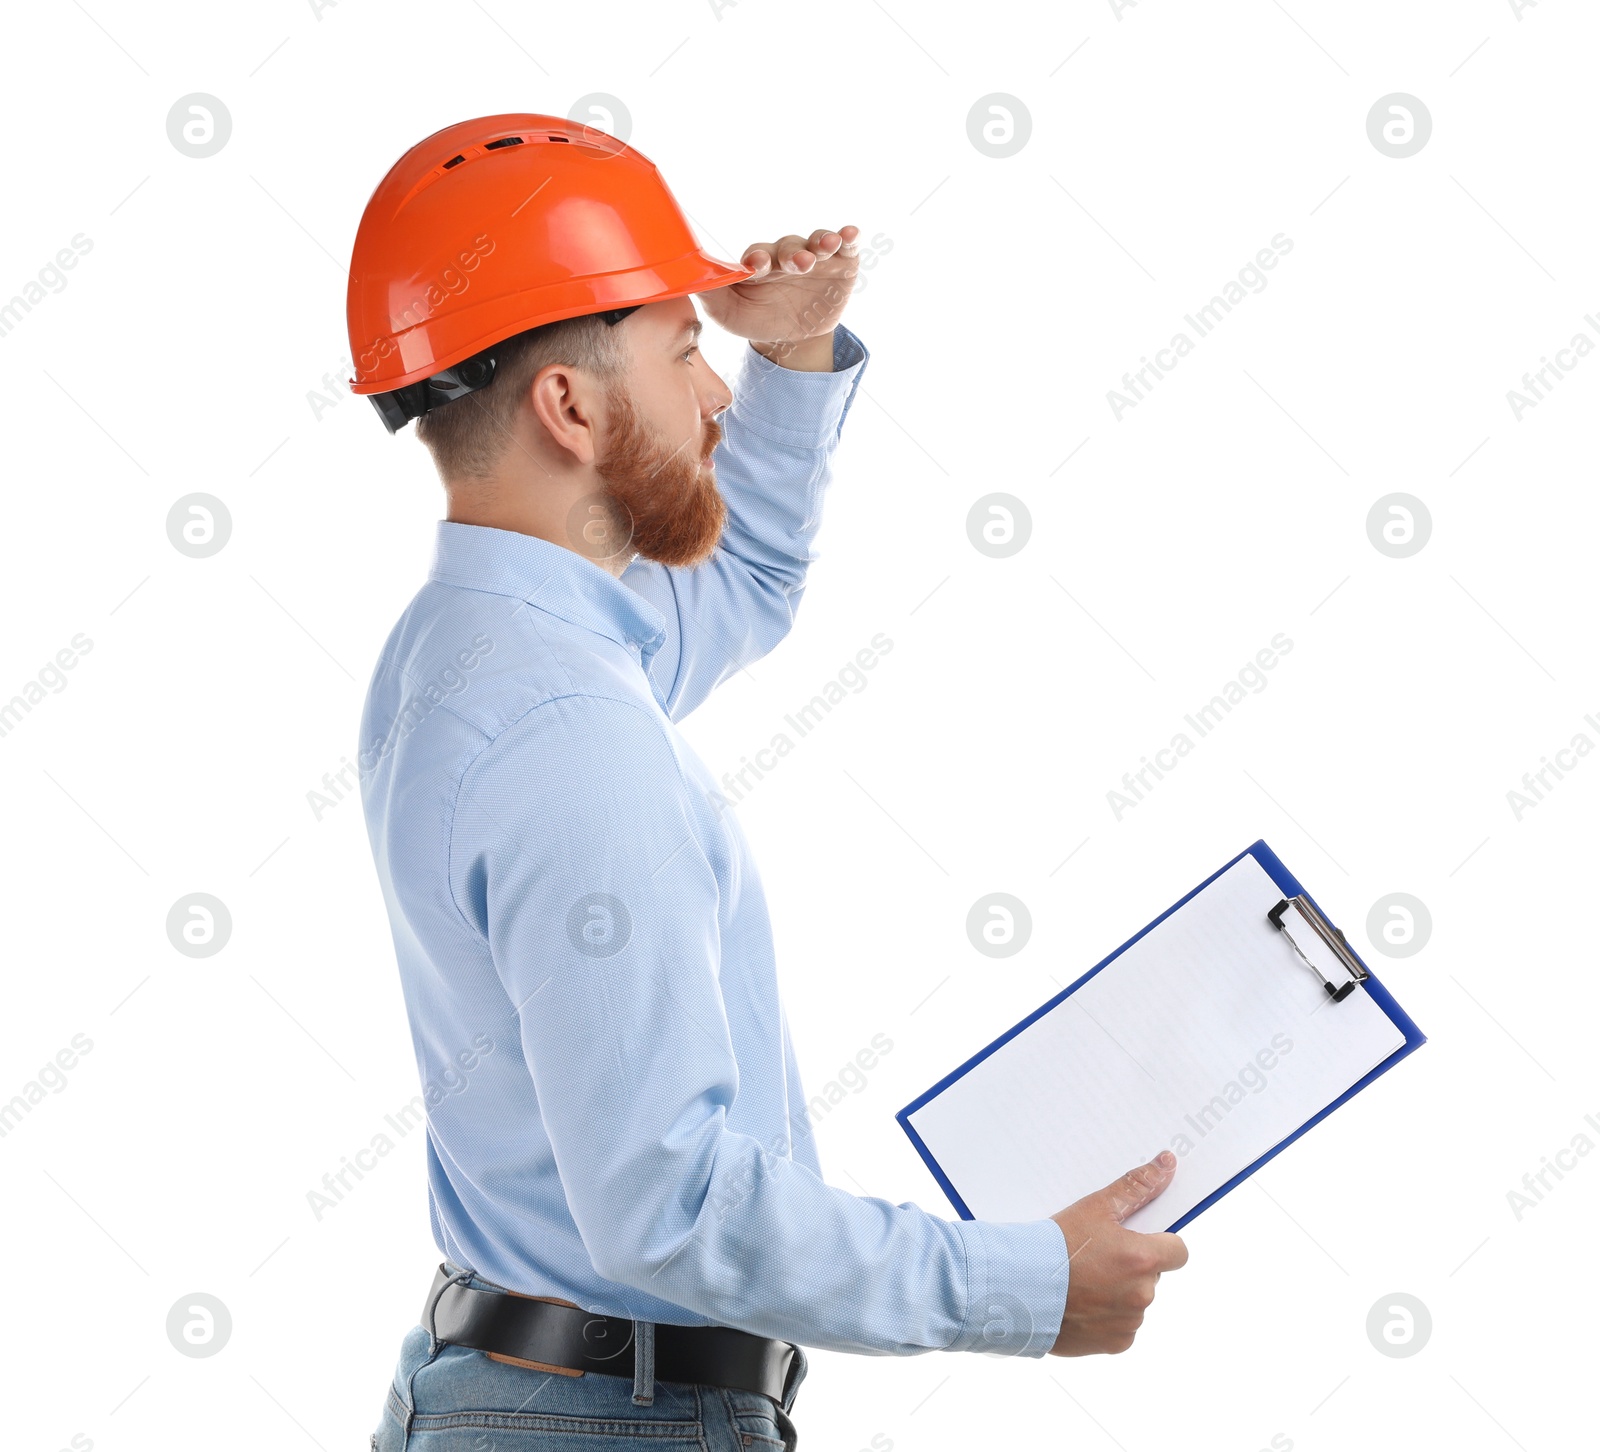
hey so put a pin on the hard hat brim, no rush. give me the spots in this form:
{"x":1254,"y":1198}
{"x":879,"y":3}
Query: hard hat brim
{"x":694,"y":272}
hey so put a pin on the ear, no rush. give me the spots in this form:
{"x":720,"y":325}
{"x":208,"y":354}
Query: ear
{"x":567,"y":402}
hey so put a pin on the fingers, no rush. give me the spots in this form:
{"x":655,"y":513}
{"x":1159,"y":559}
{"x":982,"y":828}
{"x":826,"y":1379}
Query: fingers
{"x":793,"y":254}
{"x":787,"y":254}
{"x":824,"y":242}
{"x":1168,"y":1251}
{"x":1139,"y":1186}
{"x":797,"y":255}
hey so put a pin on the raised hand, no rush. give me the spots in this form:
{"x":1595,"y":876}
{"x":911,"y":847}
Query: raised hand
{"x":797,"y":290}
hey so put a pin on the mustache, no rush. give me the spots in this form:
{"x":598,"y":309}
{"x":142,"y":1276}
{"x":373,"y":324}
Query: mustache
{"x":710,"y":437}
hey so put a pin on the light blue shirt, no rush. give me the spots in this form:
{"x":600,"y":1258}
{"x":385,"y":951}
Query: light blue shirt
{"x":615,"y":1116}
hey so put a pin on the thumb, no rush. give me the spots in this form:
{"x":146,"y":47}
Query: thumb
{"x":1138,"y":1187}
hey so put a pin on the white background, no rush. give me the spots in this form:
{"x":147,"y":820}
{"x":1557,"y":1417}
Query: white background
{"x":1168,"y":145}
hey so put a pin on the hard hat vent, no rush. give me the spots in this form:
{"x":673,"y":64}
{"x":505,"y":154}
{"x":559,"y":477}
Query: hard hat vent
{"x":504,"y":141}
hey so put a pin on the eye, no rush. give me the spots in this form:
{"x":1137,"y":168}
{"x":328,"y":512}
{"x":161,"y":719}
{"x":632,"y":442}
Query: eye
{"x":690,"y":351}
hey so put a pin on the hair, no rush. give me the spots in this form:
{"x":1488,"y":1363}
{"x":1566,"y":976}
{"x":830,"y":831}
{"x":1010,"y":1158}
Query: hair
{"x":468,"y":435}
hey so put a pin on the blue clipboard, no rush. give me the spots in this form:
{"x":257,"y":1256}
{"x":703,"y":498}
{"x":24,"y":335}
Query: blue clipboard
{"x":1290,"y":886}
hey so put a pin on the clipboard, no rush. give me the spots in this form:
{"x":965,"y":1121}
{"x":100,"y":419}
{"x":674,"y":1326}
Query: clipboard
{"x":1218,"y":965}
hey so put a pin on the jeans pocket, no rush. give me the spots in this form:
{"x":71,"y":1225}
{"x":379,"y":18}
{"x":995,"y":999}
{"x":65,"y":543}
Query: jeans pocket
{"x":759,"y":1422}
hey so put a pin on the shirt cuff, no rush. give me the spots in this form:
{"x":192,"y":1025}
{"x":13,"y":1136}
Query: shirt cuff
{"x":790,"y":406}
{"x":1016,"y":1287}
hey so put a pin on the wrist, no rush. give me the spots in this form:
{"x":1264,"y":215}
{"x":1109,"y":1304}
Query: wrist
{"x":804,"y":355}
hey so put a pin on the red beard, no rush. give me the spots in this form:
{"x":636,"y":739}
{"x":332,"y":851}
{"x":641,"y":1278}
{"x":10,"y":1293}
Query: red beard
{"x":663,"y":503}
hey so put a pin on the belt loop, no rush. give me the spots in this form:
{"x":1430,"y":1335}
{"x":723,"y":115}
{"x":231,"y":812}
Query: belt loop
{"x":455,"y":1276}
{"x":644,"y":1363}
{"x":449,"y":1275}
{"x":797,"y":1374}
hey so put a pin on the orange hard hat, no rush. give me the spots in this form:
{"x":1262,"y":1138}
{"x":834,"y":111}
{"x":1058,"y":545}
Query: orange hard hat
{"x":501,"y":224}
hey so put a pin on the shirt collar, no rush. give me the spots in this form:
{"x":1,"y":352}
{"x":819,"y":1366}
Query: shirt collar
{"x":547,"y":576}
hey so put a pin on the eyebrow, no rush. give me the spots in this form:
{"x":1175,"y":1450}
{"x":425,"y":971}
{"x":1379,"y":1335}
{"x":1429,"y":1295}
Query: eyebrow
{"x":691,"y":329}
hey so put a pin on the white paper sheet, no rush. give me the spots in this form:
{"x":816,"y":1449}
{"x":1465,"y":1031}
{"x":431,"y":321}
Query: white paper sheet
{"x":1208,"y":1037}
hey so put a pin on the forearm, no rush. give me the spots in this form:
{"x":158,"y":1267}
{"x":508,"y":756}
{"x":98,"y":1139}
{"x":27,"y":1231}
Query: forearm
{"x":773,"y":466}
{"x":811,"y":355}
{"x":776,"y":457}
{"x":754,"y":1240}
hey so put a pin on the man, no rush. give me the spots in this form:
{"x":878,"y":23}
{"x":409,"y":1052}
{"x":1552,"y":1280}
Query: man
{"x":622,"y":1177}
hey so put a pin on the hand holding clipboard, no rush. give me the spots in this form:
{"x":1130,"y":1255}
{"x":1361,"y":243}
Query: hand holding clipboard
{"x":1114,"y":1270}
{"x":1205,"y":1032}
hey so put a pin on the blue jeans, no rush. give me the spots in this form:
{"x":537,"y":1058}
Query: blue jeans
{"x":447,"y":1398}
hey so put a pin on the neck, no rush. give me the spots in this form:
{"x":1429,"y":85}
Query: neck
{"x":565,"y":509}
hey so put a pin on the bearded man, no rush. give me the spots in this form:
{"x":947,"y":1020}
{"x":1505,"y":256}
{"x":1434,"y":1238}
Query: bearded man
{"x":622,"y":1175}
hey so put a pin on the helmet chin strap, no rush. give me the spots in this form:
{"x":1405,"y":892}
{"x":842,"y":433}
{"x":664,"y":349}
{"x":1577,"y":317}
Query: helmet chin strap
{"x":399,"y":406}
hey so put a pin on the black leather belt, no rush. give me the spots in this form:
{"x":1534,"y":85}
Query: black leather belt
{"x":579,"y":1340}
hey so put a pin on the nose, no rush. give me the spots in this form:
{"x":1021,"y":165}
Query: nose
{"x":716,"y":398}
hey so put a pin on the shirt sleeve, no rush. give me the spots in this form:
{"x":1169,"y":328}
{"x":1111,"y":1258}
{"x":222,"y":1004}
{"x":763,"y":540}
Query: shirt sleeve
{"x":603,"y":911}
{"x":773,"y":465}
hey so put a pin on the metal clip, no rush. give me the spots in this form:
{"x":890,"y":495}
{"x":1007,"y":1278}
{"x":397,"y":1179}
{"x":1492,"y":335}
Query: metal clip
{"x":1330,"y":935}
